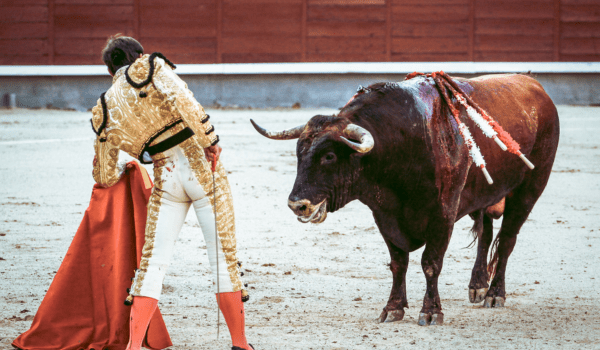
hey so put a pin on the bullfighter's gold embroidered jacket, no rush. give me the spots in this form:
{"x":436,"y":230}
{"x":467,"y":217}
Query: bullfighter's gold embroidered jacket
{"x":130,"y":118}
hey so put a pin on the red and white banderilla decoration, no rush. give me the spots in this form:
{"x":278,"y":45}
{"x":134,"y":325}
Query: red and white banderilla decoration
{"x":482,"y":119}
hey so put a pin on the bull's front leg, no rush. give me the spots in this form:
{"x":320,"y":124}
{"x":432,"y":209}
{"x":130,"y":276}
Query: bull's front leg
{"x":432,"y":262}
{"x":394,"y":310}
{"x":388,"y":226}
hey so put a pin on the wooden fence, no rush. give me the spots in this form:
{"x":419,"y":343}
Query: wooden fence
{"x":243,"y":31}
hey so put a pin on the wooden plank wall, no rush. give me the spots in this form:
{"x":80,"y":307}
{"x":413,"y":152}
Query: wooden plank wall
{"x":232,"y":31}
{"x":82,"y":26}
{"x":24,"y":32}
{"x":184,"y":30}
{"x":514,"y":30}
{"x":436,"y":30}
{"x":579,"y":30}
{"x":346,"y":31}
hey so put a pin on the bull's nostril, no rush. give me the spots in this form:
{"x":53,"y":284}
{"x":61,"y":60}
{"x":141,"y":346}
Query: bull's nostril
{"x":299,"y":206}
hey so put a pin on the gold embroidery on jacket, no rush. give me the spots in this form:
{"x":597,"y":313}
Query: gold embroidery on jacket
{"x":182,"y":102}
{"x":133,"y":120}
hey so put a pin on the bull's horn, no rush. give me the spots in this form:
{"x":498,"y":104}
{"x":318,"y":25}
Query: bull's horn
{"x":289,"y":134}
{"x":361,"y":134}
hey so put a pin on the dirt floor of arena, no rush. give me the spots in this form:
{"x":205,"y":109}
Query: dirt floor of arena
{"x":312,"y":286}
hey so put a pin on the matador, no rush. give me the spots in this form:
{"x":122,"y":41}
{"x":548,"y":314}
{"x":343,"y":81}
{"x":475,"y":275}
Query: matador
{"x":150,"y":114}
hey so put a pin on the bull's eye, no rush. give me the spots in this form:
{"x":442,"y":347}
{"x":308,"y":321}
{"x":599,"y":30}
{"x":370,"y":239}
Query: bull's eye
{"x":328,"y":158}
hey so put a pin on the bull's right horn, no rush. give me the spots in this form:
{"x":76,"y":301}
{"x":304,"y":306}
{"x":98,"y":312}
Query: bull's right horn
{"x":366,"y":141}
{"x":289,"y":134}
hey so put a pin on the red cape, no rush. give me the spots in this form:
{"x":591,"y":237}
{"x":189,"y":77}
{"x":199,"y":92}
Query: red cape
{"x":83,"y":308}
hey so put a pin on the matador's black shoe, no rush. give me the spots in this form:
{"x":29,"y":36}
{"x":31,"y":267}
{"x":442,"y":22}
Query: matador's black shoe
{"x":238,"y":348}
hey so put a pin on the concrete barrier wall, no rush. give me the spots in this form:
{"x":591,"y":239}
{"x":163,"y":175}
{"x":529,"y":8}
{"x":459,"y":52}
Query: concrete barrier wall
{"x":262,"y":90}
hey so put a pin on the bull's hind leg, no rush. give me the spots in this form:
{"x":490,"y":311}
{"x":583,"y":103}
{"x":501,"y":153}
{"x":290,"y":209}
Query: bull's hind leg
{"x":523,"y":198}
{"x":478,"y":286}
{"x":514,"y":217}
{"x":394,"y":310}
{"x":517,"y":209}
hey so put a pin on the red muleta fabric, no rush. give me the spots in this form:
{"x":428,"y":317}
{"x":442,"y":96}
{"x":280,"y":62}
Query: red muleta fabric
{"x":83,"y":308}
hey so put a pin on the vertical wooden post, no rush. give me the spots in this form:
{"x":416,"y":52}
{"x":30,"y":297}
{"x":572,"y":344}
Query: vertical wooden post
{"x":136,"y":20}
{"x":50,"y":32}
{"x":219,"y":30}
{"x":304,"y":28}
{"x":472,"y":30}
{"x":556,"y":30}
{"x":388,"y":30}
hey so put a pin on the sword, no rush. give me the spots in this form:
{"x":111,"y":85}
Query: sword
{"x":213,"y":168}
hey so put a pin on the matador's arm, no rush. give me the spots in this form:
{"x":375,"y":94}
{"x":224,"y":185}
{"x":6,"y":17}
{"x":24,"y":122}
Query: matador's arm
{"x":183,"y":103}
{"x":107,"y":168}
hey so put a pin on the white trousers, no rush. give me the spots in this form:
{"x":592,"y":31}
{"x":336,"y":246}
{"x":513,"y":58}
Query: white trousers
{"x":175,"y":189}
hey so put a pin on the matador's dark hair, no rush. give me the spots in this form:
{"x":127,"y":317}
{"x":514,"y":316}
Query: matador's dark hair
{"x":120,"y":51}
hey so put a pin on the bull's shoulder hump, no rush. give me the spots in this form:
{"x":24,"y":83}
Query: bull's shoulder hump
{"x":415,"y":85}
{"x":423,"y":92}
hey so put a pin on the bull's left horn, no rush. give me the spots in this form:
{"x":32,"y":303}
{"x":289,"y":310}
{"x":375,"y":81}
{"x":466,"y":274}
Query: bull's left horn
{"x":289,"y":134}
{"x":366,"y":141}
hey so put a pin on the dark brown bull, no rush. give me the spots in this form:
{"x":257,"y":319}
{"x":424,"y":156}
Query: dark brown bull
{"x":396,"y":148}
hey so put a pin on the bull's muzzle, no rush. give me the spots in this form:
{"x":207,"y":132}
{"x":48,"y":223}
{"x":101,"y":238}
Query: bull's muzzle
{"x":308,"y":212}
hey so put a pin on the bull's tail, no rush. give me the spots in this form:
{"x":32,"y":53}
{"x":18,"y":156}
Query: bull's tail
{"x":477,"y":232}
{"x":493,"y":263}
{"x":477,"y":229}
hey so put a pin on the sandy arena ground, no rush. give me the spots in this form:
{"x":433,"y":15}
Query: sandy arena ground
{"x":312,"y":286}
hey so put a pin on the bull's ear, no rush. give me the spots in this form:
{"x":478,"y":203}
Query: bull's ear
{"x":289,"y":134}
{"x":365,"y":139}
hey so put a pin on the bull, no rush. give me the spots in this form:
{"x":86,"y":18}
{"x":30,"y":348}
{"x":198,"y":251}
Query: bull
{"x":395,"y":148}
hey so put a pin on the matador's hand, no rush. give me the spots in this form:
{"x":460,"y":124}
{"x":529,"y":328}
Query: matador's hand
{"x":209,"y":151}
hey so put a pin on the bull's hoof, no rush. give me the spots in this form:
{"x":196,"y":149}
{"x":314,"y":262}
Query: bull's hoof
{"x":430,"y":319}
{"x":424,"y":319}
{"x":489,"y":301}
{"x":437,"y":319}
{"x":391,"y":316}
{"x":499,"y":302}
{"x":477,"y":295}
{"x":494,"y":302}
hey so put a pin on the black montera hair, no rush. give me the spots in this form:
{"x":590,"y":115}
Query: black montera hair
{"x":120,"y":51}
